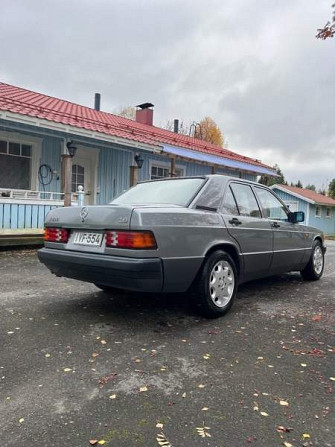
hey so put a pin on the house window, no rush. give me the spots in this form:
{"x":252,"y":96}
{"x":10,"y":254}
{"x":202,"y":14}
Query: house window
{"x":161,"y":171}
{"x":317,"y":211}
{"x":78,"y":177}
{"x":328,"y":213}
{"x":15,"y":165}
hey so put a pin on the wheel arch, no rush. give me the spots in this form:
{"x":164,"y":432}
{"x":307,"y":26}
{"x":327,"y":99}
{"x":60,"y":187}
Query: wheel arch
{"x":231,"y":250}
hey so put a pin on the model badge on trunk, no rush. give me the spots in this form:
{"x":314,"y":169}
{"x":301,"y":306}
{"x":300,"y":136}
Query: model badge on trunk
{"x":83,"y":213}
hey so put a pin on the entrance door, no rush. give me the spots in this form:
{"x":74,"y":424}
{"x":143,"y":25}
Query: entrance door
{"x":84,"y":165}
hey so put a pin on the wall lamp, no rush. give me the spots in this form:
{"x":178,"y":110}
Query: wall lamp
{"x":138,"y":160}
{"x":71,"y":148}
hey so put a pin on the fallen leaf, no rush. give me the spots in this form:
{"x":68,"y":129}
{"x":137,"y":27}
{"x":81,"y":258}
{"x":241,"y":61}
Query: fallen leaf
{"x":66,"y":370}
{"x":113,"y":396}
{"x":206,"y":356}
{"x":205,"y":409}
{"x":102,"y":442}
{"x":47,"y":355}
{"x":287,"y":444}
{"x":103,"y":342}
{"x":264,"y":414}
{"x":283,"y":403}
{"x":93,"y":441}
{"x":159,"y":425}
{"x":317,"y":317}
{"x":95,"y":354}
{"x":303,"y":365}
{"x":305,"y":436}
{"x":332,"y":378}
{"x":143,"y":388}
{"x":201,"y":386}
{"x":183,"y":395}
{"x":21,"y":420}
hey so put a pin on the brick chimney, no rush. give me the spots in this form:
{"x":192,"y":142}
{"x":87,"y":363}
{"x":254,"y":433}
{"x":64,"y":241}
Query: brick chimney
{"x":145,"y":113}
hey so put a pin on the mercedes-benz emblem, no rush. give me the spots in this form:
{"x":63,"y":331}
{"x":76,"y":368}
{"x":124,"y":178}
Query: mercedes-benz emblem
{"x":83,"y":213}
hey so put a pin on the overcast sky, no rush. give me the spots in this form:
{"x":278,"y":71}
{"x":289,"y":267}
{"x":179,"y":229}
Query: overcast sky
{"x":254,"y":66}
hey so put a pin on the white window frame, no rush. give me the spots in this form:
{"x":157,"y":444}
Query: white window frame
{"x":328,"y":215}
{"x":36,"y":151}
{"x":165,"y":165}
{"x":318,"y":214}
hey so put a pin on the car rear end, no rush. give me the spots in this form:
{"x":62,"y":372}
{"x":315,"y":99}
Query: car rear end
{"x":95,"y":244}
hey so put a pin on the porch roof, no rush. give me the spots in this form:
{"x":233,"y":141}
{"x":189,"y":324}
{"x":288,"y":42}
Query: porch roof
{"x":25,"y":102}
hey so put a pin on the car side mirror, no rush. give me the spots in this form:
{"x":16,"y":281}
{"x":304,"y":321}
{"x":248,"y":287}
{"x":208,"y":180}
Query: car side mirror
{"x":297,"y":217}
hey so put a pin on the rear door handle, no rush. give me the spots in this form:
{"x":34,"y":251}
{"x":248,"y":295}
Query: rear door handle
{"x":275,"y":225}
{"x":235,"y":221}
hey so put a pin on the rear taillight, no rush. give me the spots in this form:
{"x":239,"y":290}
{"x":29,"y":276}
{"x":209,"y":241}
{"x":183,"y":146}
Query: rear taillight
{"x":136,"y":240}
{"x":56,"y":235}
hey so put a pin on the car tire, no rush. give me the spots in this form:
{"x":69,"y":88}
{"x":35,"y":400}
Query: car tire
{"x":314,"y":269}
{"x":216,"y":286}
{"x":108,"y":289}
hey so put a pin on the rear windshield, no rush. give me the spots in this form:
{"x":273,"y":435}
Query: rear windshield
{"x":174,"y":192}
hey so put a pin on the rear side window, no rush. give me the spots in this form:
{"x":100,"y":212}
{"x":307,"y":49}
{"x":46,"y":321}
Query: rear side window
{"x":246,"y":201}
{"x":229,"y":204}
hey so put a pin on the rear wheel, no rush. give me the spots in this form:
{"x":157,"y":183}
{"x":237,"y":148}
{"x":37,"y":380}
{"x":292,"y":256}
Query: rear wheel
{"x":314,"y":269}
{"x":216,"y":287}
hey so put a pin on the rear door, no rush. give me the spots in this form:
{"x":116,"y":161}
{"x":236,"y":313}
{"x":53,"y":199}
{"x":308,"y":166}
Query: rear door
{"x":254,"y":234}
{"x":290,"y":242}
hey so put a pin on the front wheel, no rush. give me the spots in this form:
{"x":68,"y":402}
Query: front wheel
{"x":216,"y":287}
{"x":314,"y":269}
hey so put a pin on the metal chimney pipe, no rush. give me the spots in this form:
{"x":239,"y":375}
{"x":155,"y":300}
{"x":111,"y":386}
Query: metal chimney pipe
{"x":97,"y":98}
{"x":176,"y":126}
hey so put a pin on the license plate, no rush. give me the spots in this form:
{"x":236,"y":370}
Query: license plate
{"x":92,"y":239}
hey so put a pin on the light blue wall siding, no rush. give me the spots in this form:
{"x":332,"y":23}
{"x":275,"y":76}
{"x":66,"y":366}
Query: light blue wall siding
{"x":327,"y":225}
{"x":113,"y":173}
{"x":20,"y":216}
{"x":51,"y":156}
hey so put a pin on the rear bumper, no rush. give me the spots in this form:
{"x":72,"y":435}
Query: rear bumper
{"x":121,"y":272}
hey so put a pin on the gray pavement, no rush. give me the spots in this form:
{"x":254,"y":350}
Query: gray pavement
{"x":78,"y":365}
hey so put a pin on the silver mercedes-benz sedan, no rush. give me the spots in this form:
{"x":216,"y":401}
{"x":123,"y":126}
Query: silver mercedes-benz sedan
{"x":203,"y":235}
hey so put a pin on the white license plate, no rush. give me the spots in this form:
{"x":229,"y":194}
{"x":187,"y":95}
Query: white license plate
{"x":92,"y":239}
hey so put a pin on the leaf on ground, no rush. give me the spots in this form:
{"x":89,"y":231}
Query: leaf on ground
{"x":202,"y":431}
{"x":21,"y":420}
{"x":305,"y":436}
{"x":159,"y":425}
{"x":206,"y":356}
{"x":332,"y":379}
{"x":162,"y":440}
{"x":264,"y":414}
{"x":93,"y":441}
{"x":95,"y":354}
{"x":103,"y":342}
{"x":143,"y":388}
{"x":201,"y":385}
{"x":316,"y":317}
{"x":283,"y":403}
{"x":102,"y":442}
{"x":66,"y":370}
{"x":112,"y":396}
{"x":205,"y":409}
{"x":287,"y":444}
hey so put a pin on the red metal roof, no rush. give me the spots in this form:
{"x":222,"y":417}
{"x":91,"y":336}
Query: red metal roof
{"x":309,"y":194}
{"x":25,"y":102}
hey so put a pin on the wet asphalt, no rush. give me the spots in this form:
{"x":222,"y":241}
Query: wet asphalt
{"x":78,"y":365}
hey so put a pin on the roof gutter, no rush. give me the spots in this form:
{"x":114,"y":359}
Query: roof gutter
{"x":65,"y":128}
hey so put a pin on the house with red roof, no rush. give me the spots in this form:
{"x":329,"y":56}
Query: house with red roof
{"x":36,"y":132}
{"x":319,"y":209}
